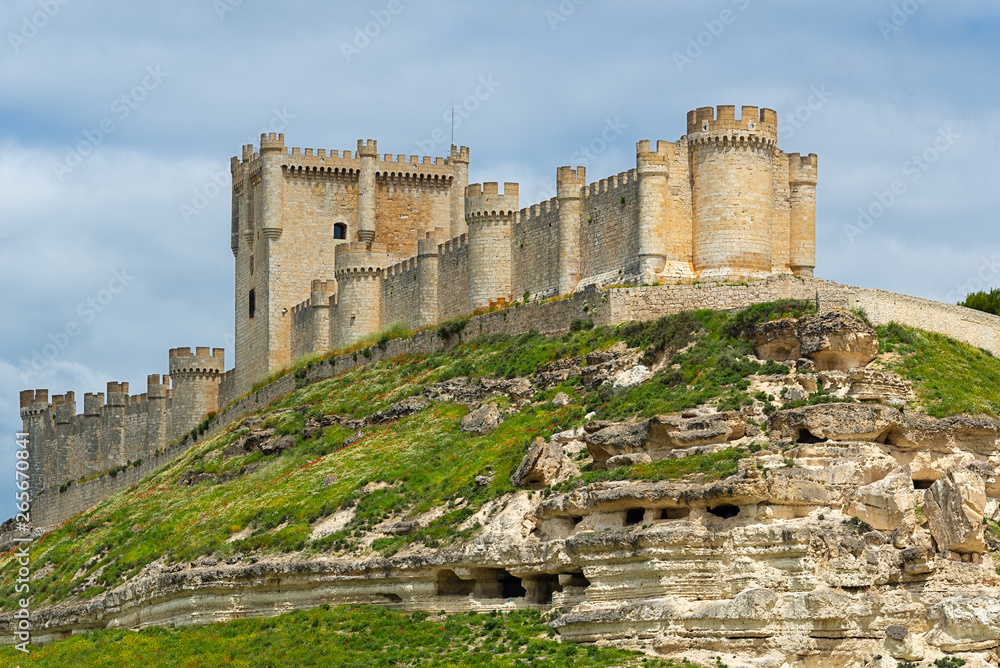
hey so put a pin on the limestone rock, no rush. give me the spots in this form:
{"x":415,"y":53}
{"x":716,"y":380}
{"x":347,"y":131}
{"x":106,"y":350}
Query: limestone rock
{"x":777,"y":340}
{"x":407,"y":406}
{"x":879,"y":386}
{"x":954,"y":506}
{"x":276,"y":445}
{"x":190,"y":477}
{"x":561,"y":399}
{"x":629,"y":459}
{"x":630,"y":378}
{"x":888,"y":503}
{"x":607,"y":439}
{"x":965,"y":623}
{"x":544,"y":465}
{"x":836,"y":422}
{"x":482,"y":420}
{"x":837,"y":340}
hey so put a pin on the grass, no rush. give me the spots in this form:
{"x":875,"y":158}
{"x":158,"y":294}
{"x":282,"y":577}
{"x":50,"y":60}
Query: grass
{"x":949,"y":377}
{"x":355,"y":636}
{"x":424,"y":461}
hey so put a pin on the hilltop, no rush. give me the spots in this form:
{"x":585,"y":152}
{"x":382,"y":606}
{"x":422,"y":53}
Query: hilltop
{"x":707,"y":484}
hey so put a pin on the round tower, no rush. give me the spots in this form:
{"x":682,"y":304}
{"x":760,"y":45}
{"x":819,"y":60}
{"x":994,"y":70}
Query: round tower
{"x":34,"y":407}
{"x":732,"y":163}
{"x":490,"y":217}
{"x":358,"y":268}
{"x":368,"y":154}
{"x":459,"y":161}
{"x":195,"y":378}
{"x":569,"y":191}
{"x":802,"y":199}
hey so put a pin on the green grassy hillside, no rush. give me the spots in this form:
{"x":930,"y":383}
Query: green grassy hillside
{"x":346,"y":637}
{"x":260,"y":504}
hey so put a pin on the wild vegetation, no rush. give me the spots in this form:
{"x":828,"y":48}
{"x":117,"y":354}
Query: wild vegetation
{"x":362,"y":637}
{"x":988,"y":302}
{"x":405,"y":468}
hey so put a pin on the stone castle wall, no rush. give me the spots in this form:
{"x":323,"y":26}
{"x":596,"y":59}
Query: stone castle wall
{"x":723,"y":201}
{"x":609,"y":307}
{"x":115,"y":429}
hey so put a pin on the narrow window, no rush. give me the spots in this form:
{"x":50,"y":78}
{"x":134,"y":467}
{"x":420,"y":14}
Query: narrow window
{"x":251,"y":265}
{"x":340,"y":231}
{"x":253,"y":303}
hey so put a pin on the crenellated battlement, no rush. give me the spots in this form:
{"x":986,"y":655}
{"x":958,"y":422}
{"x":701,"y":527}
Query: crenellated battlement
{"x":485,"y":203}
{"x":357,"y":259}
{"x":203,"y":362}
{"x":612,"y":183}
{"x":272,"y":143}
{"x":752,"y":121}
{"x":453,"y":245}
{"x":802,"y":169}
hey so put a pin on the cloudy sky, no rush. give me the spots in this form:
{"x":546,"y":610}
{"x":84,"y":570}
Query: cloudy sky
{"x":118,"y":119}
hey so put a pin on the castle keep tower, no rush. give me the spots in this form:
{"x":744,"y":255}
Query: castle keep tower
{"x":292,"y":207}
{"x":490,"y":215}
{"x":732,"y":163}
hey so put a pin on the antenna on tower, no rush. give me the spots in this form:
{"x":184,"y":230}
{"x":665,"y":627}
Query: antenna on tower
{"x":452,"y":123}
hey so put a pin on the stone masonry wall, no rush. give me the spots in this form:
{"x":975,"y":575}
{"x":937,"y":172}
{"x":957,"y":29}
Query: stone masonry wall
{"x":609,"y":307}
{"x":401,"y":294}
{"x":609,"y":238}
{"x":453,"y":281}
{"x":535,"y":251}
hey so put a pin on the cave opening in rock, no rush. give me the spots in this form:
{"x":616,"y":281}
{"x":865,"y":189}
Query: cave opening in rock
{"x":574,"y":580}
{"x":922,"y":483}
{"x":541,"y":587}
{"x":634,"y":516}
{"x":511,"y":586}
{"x":725,"y":510}
{"x":577,"y":519}
{"x":806,"y":436}
{"x":449,"y":584}
{"x":674,"y":513}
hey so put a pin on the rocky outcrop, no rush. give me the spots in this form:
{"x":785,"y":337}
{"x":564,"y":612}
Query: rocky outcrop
{"x":954,"y":506}
{"x":482,"y":420}
{"x":662,"y":436}
{"x":833,"y":341}
{"x":545,"y":464}
{"x":886,"y":505}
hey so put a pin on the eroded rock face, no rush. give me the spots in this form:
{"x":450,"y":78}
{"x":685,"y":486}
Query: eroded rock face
{"x":545,"y":464}
{"x":482,"y":420}
{"x":837,"y":340}
{"x":833,"y":341}
{"x":662,"y":436}
{"x":954,"y":506}
{"x":887,"y":504}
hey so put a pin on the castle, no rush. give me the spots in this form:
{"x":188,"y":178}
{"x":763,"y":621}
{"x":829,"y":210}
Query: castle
{"x":332,"y":247}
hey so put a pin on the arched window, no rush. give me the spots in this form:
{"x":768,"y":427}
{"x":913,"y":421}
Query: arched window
{"x":339,"y":231}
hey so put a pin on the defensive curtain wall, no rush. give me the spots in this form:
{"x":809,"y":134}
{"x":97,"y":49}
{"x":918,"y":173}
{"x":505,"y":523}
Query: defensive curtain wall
{"x":610,"y":306}
{"x":332,"y":247}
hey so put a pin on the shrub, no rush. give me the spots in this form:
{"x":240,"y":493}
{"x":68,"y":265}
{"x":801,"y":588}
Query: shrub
{"x":987,"y":302}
